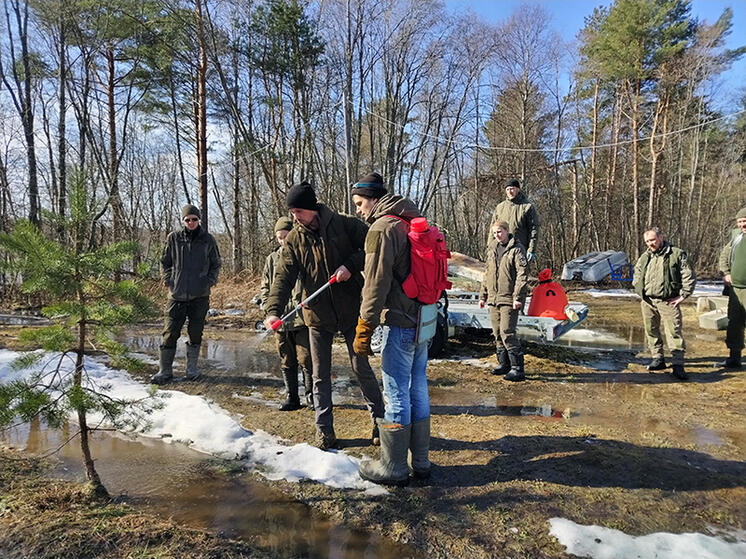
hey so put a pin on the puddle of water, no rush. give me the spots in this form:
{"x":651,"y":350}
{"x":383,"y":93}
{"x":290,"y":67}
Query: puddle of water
{"x":448,"y":401}
{"x":174,"y":481}
{"x":251,"y":358}
{"x":704,"y":436}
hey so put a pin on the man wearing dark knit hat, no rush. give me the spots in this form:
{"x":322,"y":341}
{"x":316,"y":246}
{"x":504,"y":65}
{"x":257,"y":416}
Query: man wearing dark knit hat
{"x":733,"y":267}
{"x":190,"y":264}
{"x":520,"y":215}
{"x":291,"y":338}
{"x":322,"y":244}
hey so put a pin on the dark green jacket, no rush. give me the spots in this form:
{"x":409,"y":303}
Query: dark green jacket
{"x":664,"y":274}
{"x":523,"y":219}
{"x":190,"y":265}
{"x":507,"y":280}
{"x":313,"y":256}
{"x":268,"y":277}
{"x":387,"y":264}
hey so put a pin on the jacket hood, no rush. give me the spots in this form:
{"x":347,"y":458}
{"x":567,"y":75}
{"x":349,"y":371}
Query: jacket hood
{"x":394,"y":204}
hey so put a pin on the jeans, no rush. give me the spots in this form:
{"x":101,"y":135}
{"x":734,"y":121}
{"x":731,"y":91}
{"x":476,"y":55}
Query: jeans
{"x":404,"y":371}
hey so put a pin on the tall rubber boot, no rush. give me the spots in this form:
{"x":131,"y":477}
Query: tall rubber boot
{"x":192,"y":373}
{"x":308,"y":385}
{"x":391,"y":468}
{"x":734,"y":361}
{"x":292,"y":402}
{"x":503,"y":361}
{"x":419,"y":446}
{"x":166,"y":370}
{"x":516,"y":372}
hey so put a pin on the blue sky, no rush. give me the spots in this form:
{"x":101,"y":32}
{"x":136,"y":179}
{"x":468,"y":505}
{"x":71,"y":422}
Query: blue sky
{"x":568,"y":18}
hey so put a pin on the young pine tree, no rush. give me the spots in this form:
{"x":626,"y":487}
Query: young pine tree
{"x":87,"y":302}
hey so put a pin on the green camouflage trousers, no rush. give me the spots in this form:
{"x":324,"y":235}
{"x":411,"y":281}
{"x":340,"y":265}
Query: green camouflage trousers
{"x":655,"y":311}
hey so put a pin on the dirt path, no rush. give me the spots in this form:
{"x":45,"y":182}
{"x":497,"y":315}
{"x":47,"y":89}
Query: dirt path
{"x":621,"y":448}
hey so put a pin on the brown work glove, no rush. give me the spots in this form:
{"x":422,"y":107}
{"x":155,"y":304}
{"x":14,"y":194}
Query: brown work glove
{"x":363,"y":333}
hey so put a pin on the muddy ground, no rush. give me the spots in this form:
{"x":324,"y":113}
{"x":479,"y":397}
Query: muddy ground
{"x":590,"y":436}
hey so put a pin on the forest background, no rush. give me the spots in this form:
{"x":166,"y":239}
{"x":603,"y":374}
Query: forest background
{"x":228,"y":103}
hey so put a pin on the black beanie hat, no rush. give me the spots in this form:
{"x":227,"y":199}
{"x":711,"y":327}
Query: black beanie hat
{"x":284,"y":224}
{"x":370,"y":186}
{"x":513,"y":182}
{"x":189,"y":209}
{"x":302,"y":196}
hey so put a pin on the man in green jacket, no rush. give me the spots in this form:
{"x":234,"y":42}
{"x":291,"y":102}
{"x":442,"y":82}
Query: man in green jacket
{"x":663,"y":278}
{"x":733,"y":267}
{"x":291,"y":338}
{"x":323,"y":244}
{"x":521,"y":217}
{"x":190,"y":264}
{"x":504,"y":291}
{"x":406,"y":423}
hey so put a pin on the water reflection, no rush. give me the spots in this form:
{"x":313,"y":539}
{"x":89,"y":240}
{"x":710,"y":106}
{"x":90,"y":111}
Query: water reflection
{"x":174,"y":481}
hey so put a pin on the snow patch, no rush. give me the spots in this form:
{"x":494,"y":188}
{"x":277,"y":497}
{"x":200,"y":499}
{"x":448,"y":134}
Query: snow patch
{"x":206,"y":427}
{"x":598,"y":542}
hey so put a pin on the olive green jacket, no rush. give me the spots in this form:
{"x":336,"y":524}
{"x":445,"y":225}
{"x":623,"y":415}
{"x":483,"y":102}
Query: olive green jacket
{"x":312,"y":257}
{"x":268,"y":277}
{"x":664,"y":274}
{"x":387,"y":264}
{"x":522,"y":218}
{"x":732,"y":261}
{"x":505,"y":281}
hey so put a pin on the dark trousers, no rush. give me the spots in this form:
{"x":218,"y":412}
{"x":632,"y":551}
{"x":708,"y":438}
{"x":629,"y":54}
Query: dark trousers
{"x":321,"y":354}
{"x":736,"y":318}
{"x":177,"y":312}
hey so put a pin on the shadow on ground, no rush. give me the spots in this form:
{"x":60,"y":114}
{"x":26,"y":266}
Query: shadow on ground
{"x":588,"y":462}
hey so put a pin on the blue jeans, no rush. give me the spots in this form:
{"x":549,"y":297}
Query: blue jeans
{"x":404,"y":370}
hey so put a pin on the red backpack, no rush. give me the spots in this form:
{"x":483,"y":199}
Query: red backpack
{"x":428,"y":275}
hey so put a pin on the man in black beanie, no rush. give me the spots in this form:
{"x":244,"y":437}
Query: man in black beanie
{"x":322,"y":244}
{"x":190,"y":265}
{"x":521,"y":216}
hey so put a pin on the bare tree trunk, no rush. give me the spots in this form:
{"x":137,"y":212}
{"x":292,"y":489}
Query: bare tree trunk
{"x":201,"y":116}
{"x":21,"y":96}
{"x":61,"y":129}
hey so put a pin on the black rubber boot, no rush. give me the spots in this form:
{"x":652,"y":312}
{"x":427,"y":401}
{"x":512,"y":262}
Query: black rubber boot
{"x":308,"y":385}
{"x":516,"y":373}
{"x":734,"y":361}
{"x":292,"y":401}
{"x":679,"y":372}
{"x":419,"y":446}
{"x":391,"y":468}
{"x":192,"y":373}
{"x":657,"y":364}
{"x":503,"y":361}
{"x":166,"y":370}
